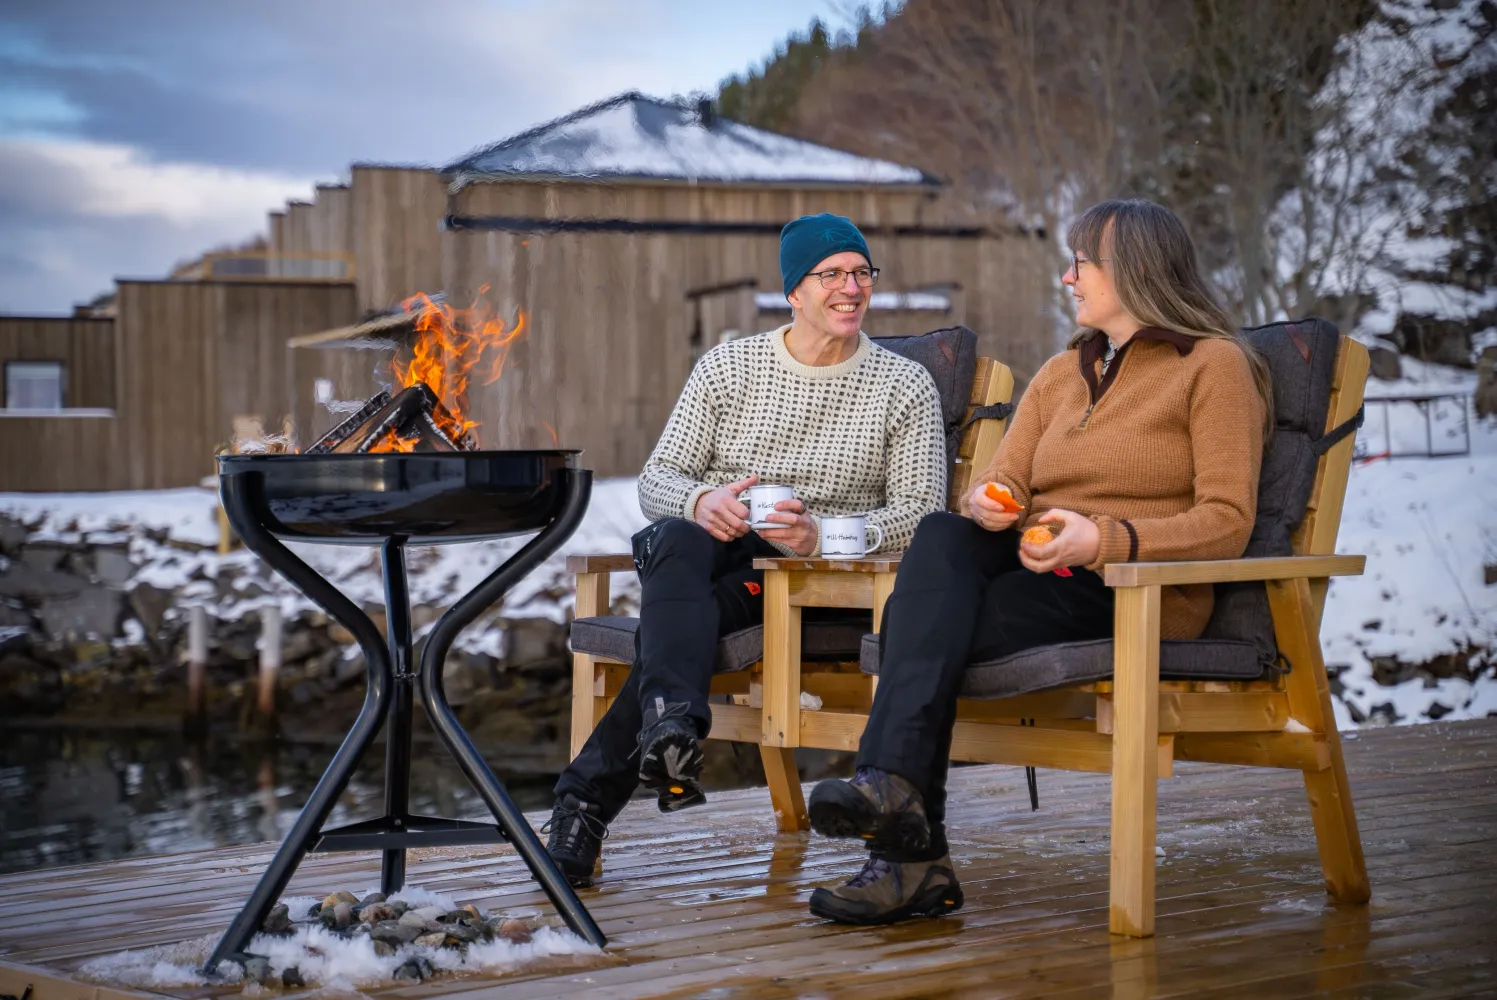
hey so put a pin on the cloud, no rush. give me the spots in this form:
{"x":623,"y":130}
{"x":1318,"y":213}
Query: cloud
{"x":134,"y":135}
{"x":76,"y":214}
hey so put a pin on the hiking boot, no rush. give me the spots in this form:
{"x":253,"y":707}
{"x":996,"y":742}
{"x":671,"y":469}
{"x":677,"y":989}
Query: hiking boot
{"x":576,"y":838}
{"x":875,"y":806}
{"x":670,"y":759}
{"x":886,"y":891}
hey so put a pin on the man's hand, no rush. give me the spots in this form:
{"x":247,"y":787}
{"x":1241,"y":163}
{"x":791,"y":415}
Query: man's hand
{"x":987,"y":512}
{"x":720,"y":512}
{"x":1076,"y":545}
{"x":800,"y":528}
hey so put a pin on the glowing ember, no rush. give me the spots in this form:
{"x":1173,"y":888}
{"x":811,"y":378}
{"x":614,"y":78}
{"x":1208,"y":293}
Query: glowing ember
{"x":452,"y":346}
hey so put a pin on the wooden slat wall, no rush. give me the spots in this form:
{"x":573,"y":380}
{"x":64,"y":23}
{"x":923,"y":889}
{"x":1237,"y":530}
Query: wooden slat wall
{"x":397,"y":248}
{"x":63,"y":453}
{"x":194,"y":355}
{"x":84,"y":346}
{"x":608,"y":347}
{"x":60,"y":454}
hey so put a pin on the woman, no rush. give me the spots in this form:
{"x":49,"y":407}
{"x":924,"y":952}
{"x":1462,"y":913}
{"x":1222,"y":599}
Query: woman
{"x":1141,"y":442}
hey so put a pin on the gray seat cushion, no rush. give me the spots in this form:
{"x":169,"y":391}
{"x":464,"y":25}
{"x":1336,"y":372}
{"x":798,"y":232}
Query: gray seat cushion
{"x":613,"y":637}
{"x":950,"y":355}
{"x":1067,"y":663}
{"x":1301,"y":357}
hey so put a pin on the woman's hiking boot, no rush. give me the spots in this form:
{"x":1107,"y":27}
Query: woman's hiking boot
{"x":886,"y":891}
{"x":880,"y":808}
{"x":577,"y":832}
{"x":670,"y":756}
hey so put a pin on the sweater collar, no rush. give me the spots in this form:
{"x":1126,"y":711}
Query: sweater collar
{"x":787,"y":360}
{"x":1094,"y":348}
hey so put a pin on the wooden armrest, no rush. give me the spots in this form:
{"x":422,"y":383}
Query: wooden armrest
{"x":1232,"y":570}
{"x":868,"y":564}
{"x":599,"y":564}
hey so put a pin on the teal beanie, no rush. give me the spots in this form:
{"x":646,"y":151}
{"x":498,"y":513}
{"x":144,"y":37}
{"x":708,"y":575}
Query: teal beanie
{"x":811,"y":239}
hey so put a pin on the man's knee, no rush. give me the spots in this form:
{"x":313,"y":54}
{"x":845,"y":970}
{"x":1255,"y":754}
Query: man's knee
{"x":678,"y":539}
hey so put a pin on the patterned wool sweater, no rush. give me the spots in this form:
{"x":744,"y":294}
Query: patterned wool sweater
{"x":860,"y":437}
{"x":1162,"y":455}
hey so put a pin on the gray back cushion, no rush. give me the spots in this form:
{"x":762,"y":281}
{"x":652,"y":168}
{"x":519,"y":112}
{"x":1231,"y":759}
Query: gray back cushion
{"x":950,"y":355}
{"x":1301,"y":357}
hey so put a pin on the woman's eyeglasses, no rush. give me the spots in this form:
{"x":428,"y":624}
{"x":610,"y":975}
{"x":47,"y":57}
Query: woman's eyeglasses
{"x":1077,"y":260}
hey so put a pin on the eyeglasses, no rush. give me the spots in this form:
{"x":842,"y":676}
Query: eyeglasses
{"x":866,"y":277}
{"x":1077,"y":261}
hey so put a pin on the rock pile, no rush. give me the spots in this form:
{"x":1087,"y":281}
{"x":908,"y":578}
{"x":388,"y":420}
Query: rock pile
{"x":396,"y":929}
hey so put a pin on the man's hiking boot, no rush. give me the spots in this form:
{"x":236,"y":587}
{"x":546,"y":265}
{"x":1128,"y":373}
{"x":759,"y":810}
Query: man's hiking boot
{"x":886,"y":891}
{"x":880,"y":808}
{"x":576,"y":838}
{"x":670,"y":756}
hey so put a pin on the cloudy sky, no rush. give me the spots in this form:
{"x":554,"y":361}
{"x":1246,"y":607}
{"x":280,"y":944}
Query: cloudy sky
{"x":136,"y":134}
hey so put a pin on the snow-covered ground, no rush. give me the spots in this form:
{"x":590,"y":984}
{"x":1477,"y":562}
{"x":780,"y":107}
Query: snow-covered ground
{"x":1427,"y":526}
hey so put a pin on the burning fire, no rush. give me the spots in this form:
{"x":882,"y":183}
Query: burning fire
{"x":452,"y":346}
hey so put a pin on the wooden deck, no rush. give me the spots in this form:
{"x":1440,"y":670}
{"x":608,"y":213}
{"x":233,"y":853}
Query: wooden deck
{"x":710,"y":903}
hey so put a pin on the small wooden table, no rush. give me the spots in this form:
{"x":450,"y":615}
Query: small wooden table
{"x":791,"y":584}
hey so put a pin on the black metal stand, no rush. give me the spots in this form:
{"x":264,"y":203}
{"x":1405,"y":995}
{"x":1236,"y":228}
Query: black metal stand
{"x":389,"y":701}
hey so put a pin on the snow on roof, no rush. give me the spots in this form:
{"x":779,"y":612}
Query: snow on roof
{"x":634,"y":136}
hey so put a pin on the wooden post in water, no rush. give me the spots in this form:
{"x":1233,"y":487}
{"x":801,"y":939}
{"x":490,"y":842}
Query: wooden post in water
{"x":197,"y":669}
{"x":270,"y":659}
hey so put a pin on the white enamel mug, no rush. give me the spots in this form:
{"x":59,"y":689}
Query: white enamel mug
{"x":761,"y":501}
{"x":847,"y":537}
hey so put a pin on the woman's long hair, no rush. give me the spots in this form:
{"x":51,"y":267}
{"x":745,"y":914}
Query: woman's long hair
{"x":1158,"y":281}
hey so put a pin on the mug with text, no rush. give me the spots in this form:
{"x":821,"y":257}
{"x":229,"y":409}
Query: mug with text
{"x":847,"y":537}
{"x":761,"y":500}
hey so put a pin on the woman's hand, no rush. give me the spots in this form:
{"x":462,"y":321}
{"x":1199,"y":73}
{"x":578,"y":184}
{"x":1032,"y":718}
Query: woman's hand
{"x":1076,"y":545}
{"x":720,"y":512}
{"x":800,"y":528}
{"x":987,"y":512}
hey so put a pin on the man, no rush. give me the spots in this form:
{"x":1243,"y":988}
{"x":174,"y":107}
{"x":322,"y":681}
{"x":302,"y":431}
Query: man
{"x":850,"y":427}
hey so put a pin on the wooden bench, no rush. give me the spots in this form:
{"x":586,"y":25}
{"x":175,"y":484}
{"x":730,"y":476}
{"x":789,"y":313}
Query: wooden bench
{"x":1133,"y":726}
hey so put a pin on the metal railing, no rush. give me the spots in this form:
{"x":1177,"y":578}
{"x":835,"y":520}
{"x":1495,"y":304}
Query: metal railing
{"x":1434,"y":407}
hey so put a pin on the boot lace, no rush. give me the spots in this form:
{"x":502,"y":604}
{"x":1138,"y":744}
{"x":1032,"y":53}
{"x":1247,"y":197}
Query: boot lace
{"x":571,"y":834}
{"x":873,"y":870}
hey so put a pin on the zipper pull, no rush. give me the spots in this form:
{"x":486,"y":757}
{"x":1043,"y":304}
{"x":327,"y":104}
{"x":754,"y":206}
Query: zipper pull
{"x":1085,"y":417}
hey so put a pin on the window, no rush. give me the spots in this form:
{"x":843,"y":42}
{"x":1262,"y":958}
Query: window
{"x":33,"y":385}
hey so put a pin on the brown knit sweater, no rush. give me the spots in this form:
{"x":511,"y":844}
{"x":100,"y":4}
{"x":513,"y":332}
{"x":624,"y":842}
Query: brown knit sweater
{"x":1162,"y":455}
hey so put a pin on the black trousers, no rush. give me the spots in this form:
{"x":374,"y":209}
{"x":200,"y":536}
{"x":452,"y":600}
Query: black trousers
{"x":693,"y":590}
{"x":961,"y":596}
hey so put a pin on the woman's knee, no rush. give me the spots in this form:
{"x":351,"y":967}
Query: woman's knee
{"x":942,"y":533}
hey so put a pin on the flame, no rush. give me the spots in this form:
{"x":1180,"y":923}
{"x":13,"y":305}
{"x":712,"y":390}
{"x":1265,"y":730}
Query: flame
{"x":451,"y":346}
{"x":552,"y":431}
{"x":393,"y":442}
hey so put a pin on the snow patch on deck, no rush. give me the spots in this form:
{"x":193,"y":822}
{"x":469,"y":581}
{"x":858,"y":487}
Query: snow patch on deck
{"x":327,"y":960}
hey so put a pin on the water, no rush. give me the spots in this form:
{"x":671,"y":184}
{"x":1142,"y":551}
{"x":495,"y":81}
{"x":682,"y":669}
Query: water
{"x":73,"y":795}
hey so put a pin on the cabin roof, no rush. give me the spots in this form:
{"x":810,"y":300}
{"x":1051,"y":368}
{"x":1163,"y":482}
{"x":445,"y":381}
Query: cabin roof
{"x":633,"y":136}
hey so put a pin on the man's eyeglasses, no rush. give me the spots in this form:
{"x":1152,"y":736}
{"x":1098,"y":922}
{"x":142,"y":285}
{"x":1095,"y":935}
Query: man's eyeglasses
{"x":866,"y":277}
{"x":1077,"y":260}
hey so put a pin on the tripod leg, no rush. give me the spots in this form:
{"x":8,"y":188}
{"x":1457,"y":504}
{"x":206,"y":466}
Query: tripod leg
{"x":398,"y":733}
{"x":240,"y":503}
{"x":434,"y":656}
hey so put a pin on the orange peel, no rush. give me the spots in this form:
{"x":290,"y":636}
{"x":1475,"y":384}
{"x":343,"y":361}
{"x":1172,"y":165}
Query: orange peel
{"x":1002,"y":497}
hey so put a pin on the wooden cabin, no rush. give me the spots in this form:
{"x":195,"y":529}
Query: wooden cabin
{"x":634,"y":235}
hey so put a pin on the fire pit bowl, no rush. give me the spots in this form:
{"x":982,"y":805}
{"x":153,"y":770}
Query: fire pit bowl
{"x":390,"y":500}
{"x":423,"y":497}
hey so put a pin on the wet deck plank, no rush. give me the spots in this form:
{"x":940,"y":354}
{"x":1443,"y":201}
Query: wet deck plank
{"x":712,"y":902}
